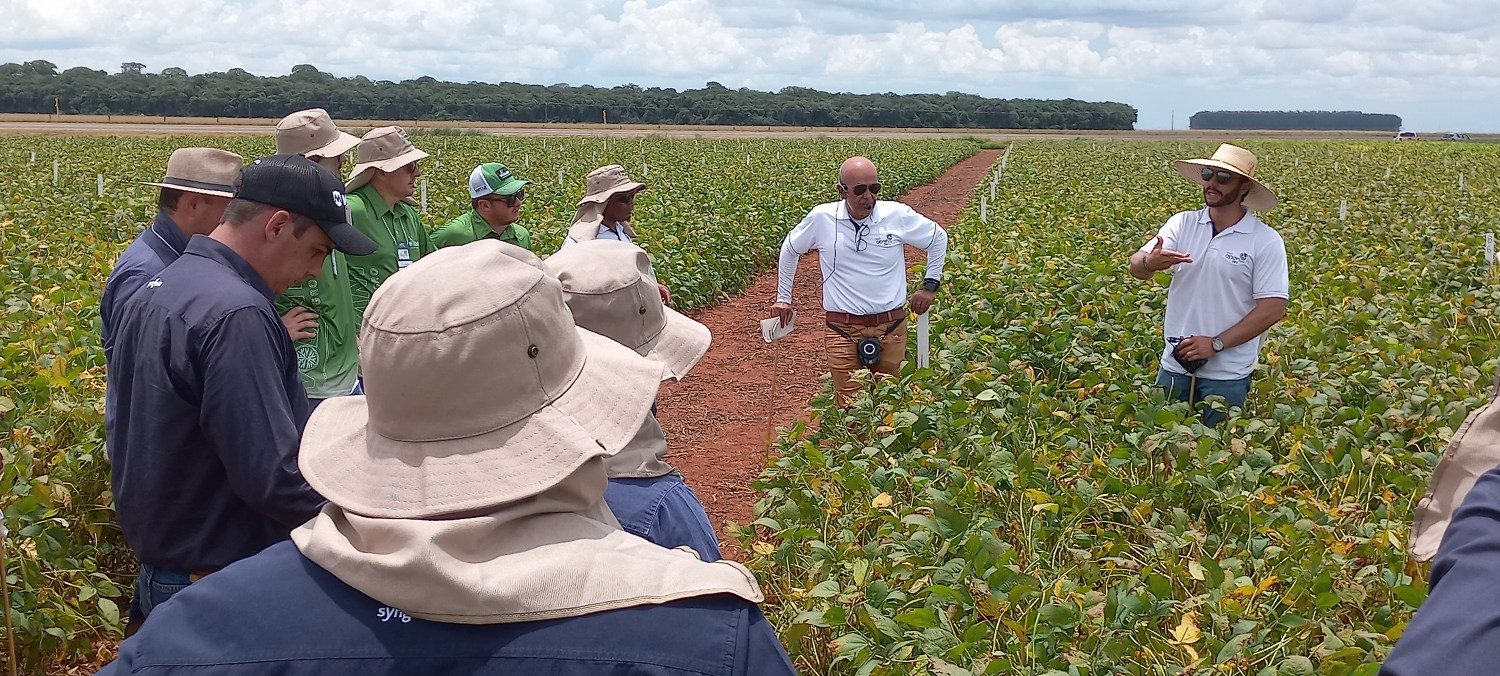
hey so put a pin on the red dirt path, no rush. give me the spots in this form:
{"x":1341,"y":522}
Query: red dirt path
{"x":721,"y":418}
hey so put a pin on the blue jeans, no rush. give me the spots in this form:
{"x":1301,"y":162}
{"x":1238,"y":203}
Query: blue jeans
{"x":1180,"y":387}
{"x":665,"y":511}
{"x":153,"y":587}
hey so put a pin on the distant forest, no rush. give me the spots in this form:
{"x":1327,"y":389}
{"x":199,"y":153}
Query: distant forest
{"x":34,"y":86}
{"x":1318,"y":120}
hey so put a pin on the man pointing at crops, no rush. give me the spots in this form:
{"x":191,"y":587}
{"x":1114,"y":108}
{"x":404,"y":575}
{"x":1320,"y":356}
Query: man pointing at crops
{"x":860,"y":241}
{"x":1229,"y":281}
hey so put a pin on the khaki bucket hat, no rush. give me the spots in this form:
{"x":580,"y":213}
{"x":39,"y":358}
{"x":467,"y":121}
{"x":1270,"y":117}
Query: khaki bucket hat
{"x":207,"y":171}
{"x":604,"y":182}
{"x":609,"y":286}
{"x":383,"y":148}
{"x":311,"y":133}
{"x":479,"y":391}
{"x":1236,"y":160}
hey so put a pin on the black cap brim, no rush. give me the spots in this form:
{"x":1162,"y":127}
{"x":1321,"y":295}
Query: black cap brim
{"x":348,"y":239}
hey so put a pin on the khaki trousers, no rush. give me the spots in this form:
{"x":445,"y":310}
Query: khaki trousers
{"x":843,"y":358}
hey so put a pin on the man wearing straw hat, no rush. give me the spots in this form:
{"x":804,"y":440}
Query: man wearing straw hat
{"x":611,"y":291}
{"x":322,"y":308}
{"x":385,"y":174}
{"x":466,"y":529}
{"x":495,"y":196}
{"x":205,"y":406}
{"x":1229,"y":281}
{"x":197,"y":187}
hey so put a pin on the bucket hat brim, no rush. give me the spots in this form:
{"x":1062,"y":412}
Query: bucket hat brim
{"x":597,"y":415}
{"x":1260,"y":197}
{"x":361,"y":173}
{"x":194,"y":186}
{"x":680,"y":345}
{"x":604,"y":195}
{"x":343,"y":144}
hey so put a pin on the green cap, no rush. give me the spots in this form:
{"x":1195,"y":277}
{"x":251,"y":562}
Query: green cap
{"x":493,"y":178}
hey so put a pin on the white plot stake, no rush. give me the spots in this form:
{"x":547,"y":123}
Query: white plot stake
{"x":1489,"y":248}
{"x":1343,"y":209}
{"x":101,"y":184}
{"x":424,"y":194}
{"x":747,"y":159}
{"x":1387,"y":172}
{"x":645,"y":170}
{"x":1461,"y":180}
{"x":528,"y":163}
{"x":984,"y":209}
{"x":56,"y":171}
{"x":922,"y":335}
{"x":33,"y":158}
{"x":559,"y":176}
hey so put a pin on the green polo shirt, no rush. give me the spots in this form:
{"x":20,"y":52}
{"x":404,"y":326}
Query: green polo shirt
{"x":471,"y":227}
{"x":329,"y":362}
{"x":400,"y":240}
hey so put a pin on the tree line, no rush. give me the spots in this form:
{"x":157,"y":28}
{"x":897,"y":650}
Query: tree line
{"x":38,"y":87}
{"x":1319,"y":120}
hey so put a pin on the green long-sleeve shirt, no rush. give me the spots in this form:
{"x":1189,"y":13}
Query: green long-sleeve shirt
{"x":471,"y":227}
{"x":329,"y":361}
{"x":400,"y":240}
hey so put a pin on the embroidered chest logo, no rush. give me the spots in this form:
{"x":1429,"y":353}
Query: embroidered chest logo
{"x":387,"y":613}
{"x":307,"y":357}
{"x":1237,"y":258}
{"x":886,"y":239}
{"x":153,"y":283}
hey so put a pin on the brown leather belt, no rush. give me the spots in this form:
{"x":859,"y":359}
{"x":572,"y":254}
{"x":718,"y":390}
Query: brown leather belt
{"x":866,"y":320}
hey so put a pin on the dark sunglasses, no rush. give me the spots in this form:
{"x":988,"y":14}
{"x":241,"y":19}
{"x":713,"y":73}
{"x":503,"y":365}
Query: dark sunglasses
{"x":509,"y":200}
{"x":874,"y":188}
{"x":624,"y":198}
{"x":1225,"y":178}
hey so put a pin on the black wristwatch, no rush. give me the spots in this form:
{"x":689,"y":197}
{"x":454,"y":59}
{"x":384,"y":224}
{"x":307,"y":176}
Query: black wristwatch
{"x":930,"y":285}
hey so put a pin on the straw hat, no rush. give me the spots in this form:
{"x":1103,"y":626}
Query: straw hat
{"x":610,"y":289}
{"x":605,"y":182}
{"x":208,"y":171}
{"x":383,"y":148}
{"x":1236,"y":160}
{"x":479,"y":391}
{"x":311,"y":133}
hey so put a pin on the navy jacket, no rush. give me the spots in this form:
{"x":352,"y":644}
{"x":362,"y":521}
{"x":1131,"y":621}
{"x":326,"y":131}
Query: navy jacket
{"x":280,"y":613}
{"x":1457,"y":629}
{"x":154,"y":249}
{"x":203,"y":414}
{"x":665,"y":511}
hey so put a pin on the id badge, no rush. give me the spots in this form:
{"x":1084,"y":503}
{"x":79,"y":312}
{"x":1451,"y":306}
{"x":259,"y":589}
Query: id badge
{"x":403,"y":257}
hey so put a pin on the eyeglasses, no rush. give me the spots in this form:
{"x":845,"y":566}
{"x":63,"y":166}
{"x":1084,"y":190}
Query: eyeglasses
{"x":1225,"y":178}
{"x":624,"y":198}
{"x":860,"y":189}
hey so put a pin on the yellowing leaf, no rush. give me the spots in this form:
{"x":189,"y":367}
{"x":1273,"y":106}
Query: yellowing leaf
{"x":763,"y":548}
{"x":881,"y":501}
{"x":1186,"y":632}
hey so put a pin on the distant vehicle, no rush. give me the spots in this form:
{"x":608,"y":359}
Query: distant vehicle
{"x":1455,"y":136}
{"x":1406,"y":136}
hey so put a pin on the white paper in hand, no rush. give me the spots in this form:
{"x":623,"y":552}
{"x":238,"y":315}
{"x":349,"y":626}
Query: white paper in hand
{"x":771,"y":328}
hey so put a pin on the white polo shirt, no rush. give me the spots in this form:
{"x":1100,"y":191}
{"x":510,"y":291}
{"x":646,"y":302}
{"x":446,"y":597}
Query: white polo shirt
{"x":1229,"y":272}
{"x":863,"y":274}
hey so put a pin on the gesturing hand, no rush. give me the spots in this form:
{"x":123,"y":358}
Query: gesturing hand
{"x":301,"y":323}
{"x":1160,"y":259}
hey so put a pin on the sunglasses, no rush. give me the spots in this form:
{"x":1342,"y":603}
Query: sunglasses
{"x":509,"y":200}
{"x":1225,"y":178}
{"x":874,"y":188}
{"x":860,"y":230}
{"x":624,"y":198}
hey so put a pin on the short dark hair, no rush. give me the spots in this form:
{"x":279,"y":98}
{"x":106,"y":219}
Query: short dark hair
{"x":168,"y":199}
{"x":241,"y":211}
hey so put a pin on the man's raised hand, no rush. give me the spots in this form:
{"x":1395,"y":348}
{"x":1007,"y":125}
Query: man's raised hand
{"x":1160,"y":259}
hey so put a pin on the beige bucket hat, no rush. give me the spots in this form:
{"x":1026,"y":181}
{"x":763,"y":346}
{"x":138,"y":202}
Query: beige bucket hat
{"x":1237,"y":160}
{"x":1473,"y":450}
{"x":604,"y":182}
{"x":208,"y":171}
{"x":311,"y":133}
{"x":479,"y":391}
{"x":611,"y":290}
{"x":383,"y":148}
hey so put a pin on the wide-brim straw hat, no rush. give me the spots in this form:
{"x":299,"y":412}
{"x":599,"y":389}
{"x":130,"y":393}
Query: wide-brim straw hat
{"x":606,"y":182}
{"x":312,"y":133}
{"x":207,"y":171}
{"x":479,"y":391}
{"x":611,"y":290}
{"x":1236,"y":160}
{"x":383,"y":148}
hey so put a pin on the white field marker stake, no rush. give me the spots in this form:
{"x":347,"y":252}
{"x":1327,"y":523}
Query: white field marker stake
{"x":33,"y":158}
{"x":559,"y":176}
{"x":984,"y":209}
{"x":424,"y":194}
{"x":922,"y":336}
{"x":528,"y":163}
{"x":1387,"y":172}
{"x":56,"y":171}
{"x":1343,"y":209}
{"x":1461,"y":180}
{"x":101,"y":184}
{"x":645,"y":170}
{"x":1489,"y":248}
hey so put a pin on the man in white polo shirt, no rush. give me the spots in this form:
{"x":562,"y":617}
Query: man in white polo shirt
{"x":1229,"y":281}
{"x":861,"y":249}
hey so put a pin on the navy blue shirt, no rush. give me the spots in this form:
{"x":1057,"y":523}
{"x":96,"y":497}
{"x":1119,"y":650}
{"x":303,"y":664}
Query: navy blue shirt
{"x":665,"y":511}
{"x":279,"y":612}
{"x":154,"y":249}
{"x":203,"y":415}
{"x":1457,"y":629}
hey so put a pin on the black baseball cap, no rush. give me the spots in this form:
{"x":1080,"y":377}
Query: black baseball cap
{"x":305,"y":188}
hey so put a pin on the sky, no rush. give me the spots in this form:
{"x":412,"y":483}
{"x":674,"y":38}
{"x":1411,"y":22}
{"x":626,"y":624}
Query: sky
{"x":1435,"y":63}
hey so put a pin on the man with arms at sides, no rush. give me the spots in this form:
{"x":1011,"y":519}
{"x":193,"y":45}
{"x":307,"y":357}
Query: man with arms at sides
{"x":605,"y":210}
{"x":197,"y":187}
{"x":384,"y":177}
{"x":861,"y":249}
{"x":611,"y":290}
{"x":323,"y":306}
{"x":1229,"y":281}
{"x":466,"y":529}
{"x":205,"y":406}
{"x":495,"y":197}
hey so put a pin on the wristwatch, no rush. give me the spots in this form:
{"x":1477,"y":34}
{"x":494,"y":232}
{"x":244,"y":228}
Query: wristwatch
{"x":930,"y":285}
{"x":1218,"y":344}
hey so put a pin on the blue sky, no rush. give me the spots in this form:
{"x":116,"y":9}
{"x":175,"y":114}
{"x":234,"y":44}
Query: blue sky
{"x":1436,"y":64}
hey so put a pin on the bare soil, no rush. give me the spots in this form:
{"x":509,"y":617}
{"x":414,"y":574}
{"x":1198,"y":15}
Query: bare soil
{"x":722,"y":418}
